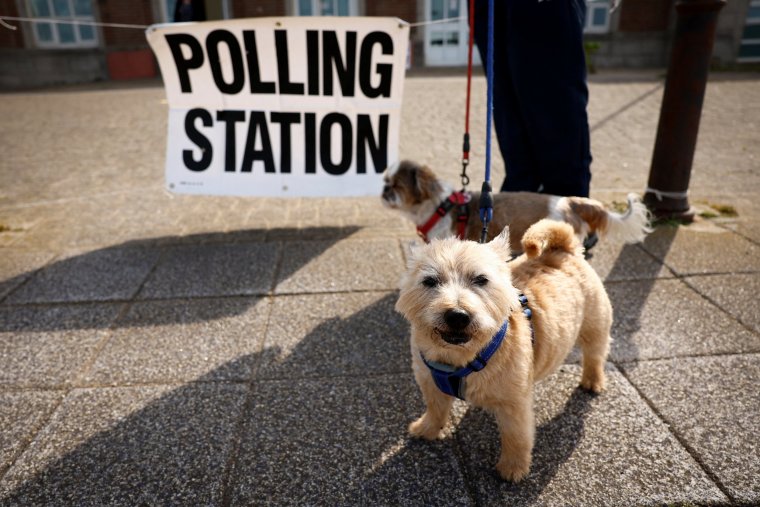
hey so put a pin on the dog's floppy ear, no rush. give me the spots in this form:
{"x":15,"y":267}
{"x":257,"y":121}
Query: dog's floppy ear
{"x":424,"y":183}
{"x":501,"y":243}
{"x":415,"y":182}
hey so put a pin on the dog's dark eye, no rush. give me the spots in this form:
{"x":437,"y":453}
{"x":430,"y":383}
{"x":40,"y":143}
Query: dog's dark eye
{"x":430,"y":282}
{"x":480,"y":280}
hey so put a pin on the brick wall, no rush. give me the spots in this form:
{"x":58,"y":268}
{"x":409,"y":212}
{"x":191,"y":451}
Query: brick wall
{"x":248,"y":9}
{"x":645,"y":15}
{"x":135,"y":12}
{"x":403,"y":9}
{"x":12,"y":38}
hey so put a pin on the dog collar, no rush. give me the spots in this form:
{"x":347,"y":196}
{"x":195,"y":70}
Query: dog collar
{"x":450,"y":380}
{"x":459,"y":199}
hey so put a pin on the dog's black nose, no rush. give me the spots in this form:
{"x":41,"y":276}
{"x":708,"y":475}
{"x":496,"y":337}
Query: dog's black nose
{"x":456,"y":319}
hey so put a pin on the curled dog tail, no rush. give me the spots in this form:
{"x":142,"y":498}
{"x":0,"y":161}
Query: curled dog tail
{"x":631,"y":226}
{"x":546,"y":236}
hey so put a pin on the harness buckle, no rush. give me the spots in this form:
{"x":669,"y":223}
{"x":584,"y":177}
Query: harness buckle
{"x":477,"y":363}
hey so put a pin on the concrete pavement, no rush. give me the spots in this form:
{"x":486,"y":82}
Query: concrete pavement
{"x":175,"y":350}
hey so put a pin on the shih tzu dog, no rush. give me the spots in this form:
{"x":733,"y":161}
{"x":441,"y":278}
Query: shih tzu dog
{"x":439,"y":212}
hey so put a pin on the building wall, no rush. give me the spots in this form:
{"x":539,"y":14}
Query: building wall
{"x":134,"y":12}
{"x":399,"y":8}
{"x":644,"y":15}
{"x":31,"y":68}
{"x":640,"y":35}
{"x":729,"y":32}
{"x":11,"y":39}
{"x":260,"y":8}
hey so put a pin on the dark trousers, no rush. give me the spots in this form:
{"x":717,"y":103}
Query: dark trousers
{"x":540,"y":93}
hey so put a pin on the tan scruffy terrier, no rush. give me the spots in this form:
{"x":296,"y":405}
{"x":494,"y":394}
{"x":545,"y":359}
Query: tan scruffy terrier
{"x":473,"y":336}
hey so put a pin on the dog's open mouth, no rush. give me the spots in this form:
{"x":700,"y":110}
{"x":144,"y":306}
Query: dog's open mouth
{"x":454,"y":338}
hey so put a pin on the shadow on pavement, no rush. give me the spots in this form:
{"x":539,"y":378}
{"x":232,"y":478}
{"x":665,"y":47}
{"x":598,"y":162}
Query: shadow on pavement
{"x":323,"y":419}
{"x":309,"y":428}
{"x":627,"y":304}
{"x":555,"y":442}
{"x":173,"y":267}
{"x":599,"y":124}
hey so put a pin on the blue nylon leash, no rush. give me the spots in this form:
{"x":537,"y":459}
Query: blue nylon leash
{"x":486,"y":199}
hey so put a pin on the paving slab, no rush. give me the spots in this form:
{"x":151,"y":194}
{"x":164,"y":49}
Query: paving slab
{"x":712,"y":403}
{"x":615,"y":262}
{"x":737,"y":295}
{"x":348,"y":265}
{"x":703,"y":248}
{"x":666,"y":318}
{"x":66,"y":226}
{"x":353,"y":451}
{"x":48,"y":345}
{"x":746,"y":227}
{"x":17,"y":266}
{"x":335,"y":334}
{"x":213,"y":270}
{"x":97,"y":275}
{"x":321,"y":211}
{"x":157,"y":445}
{"x":21,"y":417}
{"x":371,"y":212}
{"x":173,"y":341}
{"x":99,"y":221}
{"x":330,"y":234}
{"x":18,"y":222}
{"x":606,"y":450}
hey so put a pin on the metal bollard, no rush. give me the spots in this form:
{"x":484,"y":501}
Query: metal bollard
{"x":667,"y":190}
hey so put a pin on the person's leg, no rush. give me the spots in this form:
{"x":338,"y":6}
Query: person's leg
{"x":513,"y":141}
{"x":548,"y":71}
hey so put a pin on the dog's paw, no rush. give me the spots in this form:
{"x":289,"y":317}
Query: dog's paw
{"x":422,"y":428}
{"x":513,"y":470}
{"x":593,"y":384}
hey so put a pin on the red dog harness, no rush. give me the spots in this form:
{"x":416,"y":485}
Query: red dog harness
{"x":458,"y":199}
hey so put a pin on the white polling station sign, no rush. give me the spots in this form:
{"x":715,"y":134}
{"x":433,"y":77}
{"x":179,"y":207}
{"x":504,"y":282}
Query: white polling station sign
{"x":292,"y":106}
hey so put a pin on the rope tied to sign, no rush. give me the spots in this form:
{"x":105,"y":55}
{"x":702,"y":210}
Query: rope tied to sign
{"x":68,"y":22}
{"x":6,"y":25}
{"x":144,"y":27}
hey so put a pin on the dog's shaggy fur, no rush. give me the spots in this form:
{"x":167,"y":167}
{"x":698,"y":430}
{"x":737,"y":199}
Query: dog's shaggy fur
{"x":569,"y":304}
{"x":416,"y":191}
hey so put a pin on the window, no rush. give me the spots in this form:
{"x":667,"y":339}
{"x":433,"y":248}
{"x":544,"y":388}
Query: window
{"x":749,"y":51}
{"x":597,"y":16}
{"x":63,"y":35}
{"x":167,"y":10}
{"x":214,"y":9}
{"x":326,"y":7}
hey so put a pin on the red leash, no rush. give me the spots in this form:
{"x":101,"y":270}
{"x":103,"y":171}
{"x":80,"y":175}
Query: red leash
{"x":466,"y":142}
{"x":458,"y":199}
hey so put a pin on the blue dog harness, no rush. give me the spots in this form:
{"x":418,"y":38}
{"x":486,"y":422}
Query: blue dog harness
{"x":451,"y":380}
